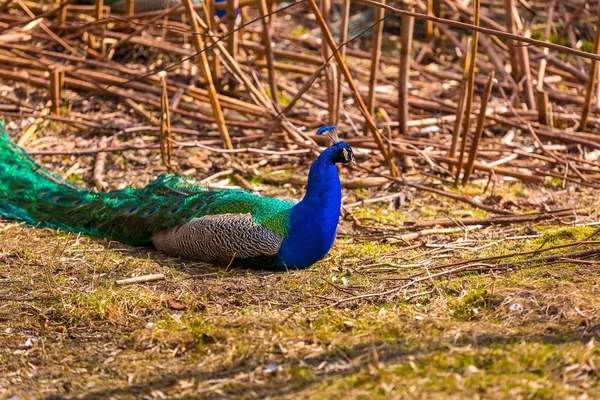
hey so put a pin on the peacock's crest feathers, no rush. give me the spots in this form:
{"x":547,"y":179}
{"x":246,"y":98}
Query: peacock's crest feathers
{"x":31,"y":193}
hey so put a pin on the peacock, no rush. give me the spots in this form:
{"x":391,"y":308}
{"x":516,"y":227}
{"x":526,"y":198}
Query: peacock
{"x":182,"y":218}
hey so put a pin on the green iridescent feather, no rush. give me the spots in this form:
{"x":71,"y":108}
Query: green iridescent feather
{"x":32,"y":194}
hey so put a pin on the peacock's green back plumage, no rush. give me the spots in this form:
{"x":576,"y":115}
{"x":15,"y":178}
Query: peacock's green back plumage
{"x":32,"y":194}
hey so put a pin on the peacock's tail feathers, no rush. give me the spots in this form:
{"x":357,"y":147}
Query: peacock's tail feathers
{"x":32,"y":194}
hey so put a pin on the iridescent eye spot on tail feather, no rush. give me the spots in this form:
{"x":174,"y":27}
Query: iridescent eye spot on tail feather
{"x":173,"y":210}
{"x":132,"y":209}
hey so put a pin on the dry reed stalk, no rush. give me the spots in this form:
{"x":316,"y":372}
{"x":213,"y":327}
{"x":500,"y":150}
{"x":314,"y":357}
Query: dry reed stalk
{"x":202,"y":60}
{"x":509,"y":6}
{"x":165,"y":134}
{"x":99,"y":4}
{"x":305,"y":87}
{"x":495,"y":58}
{"x":140,"y":110}
{"x":406,"y":37}
{"x":100,"y":164}
{"x":335,"y":86}
{"x":589,"y":90}
{"x":470,"y":91}
{"x":130,"y":7}
{"x":429,"y":23}
{"x":460,"y":107}
{"x":56,"y":79}
{"x":544,"y":61}
{"x":125,"y":38}
{"x":285,"y":54}
{"x":258,"y":95}
{"x":52,"y":35}
{"x":375,"y":58}
{"x":266,"y":24}
{"x":353,"y":88}
{"x":479,"y":130}
{"x":331,"y":73}
{"x":598,"y":89}
{"x":407,"y":161}
{"x":544,"y":108}
{"x":500,"y":33}
{"x":209,"y":16}
{"x":233,"y":38}
{"x":149,"y":84}
{"x":525,"y":77}
{"x":99,"y":13}
{"x":345,"y":19}
{"x":131,"y":98}
{"x":447,"y":160}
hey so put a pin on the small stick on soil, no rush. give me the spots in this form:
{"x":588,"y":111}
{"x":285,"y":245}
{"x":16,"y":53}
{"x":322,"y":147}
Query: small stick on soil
{"x":487,"y":221}
{"x":463,"y":199}
{"x":141,"y":279}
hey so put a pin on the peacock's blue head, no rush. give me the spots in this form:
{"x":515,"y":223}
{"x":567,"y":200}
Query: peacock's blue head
{"x":341,"y":152}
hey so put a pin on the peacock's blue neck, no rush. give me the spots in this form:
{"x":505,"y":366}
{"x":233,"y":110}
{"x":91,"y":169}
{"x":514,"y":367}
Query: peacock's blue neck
{"x":313,"y":221}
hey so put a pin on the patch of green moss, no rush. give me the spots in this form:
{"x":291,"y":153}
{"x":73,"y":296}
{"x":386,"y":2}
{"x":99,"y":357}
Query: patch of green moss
{"x":563,"y":236}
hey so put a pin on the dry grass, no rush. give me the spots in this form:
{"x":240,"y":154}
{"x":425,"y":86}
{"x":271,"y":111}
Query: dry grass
{"x":69,"y":332}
